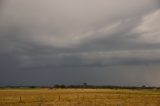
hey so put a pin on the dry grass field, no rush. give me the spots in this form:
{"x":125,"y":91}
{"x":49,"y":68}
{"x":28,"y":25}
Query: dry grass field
{"x":79,"y":97}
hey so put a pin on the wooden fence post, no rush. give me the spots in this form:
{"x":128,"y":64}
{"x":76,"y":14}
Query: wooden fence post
{"x":20,"y":99}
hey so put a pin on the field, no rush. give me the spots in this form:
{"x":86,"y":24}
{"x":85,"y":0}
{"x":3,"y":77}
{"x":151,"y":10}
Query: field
{"x":79,"y":97}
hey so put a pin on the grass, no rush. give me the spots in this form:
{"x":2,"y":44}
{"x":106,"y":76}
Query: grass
{"x":79,"y":97}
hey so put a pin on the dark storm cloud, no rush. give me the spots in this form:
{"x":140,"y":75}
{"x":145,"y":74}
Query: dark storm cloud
{"x":77,"y":35}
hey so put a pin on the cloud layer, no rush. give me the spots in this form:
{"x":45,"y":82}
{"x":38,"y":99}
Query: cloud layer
{"x":82,"y":34}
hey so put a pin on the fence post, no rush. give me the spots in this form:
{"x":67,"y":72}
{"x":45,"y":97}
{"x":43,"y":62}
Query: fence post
{"x":59,"y":97}
{"x":95,"y":100}
{"x":20,"y":99}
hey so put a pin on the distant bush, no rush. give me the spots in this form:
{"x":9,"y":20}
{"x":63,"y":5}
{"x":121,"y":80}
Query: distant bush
{"x":59,"y":86}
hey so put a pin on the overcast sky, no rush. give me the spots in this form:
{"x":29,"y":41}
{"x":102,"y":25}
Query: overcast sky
{"x":101,"y":42}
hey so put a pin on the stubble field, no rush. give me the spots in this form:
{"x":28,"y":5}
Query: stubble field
{"x":79,"y":97}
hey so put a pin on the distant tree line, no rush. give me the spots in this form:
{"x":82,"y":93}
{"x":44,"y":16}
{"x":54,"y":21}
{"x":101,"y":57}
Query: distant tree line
{"x":102,"y":87}
{"x":84,"y":85}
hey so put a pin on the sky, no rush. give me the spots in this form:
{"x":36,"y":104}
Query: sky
{"x":100,"y":42}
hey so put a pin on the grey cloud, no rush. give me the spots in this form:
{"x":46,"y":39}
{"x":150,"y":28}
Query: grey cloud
{"x":91,"y":59}
{"x":46,"y":22}
{"x":54,"y":37}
